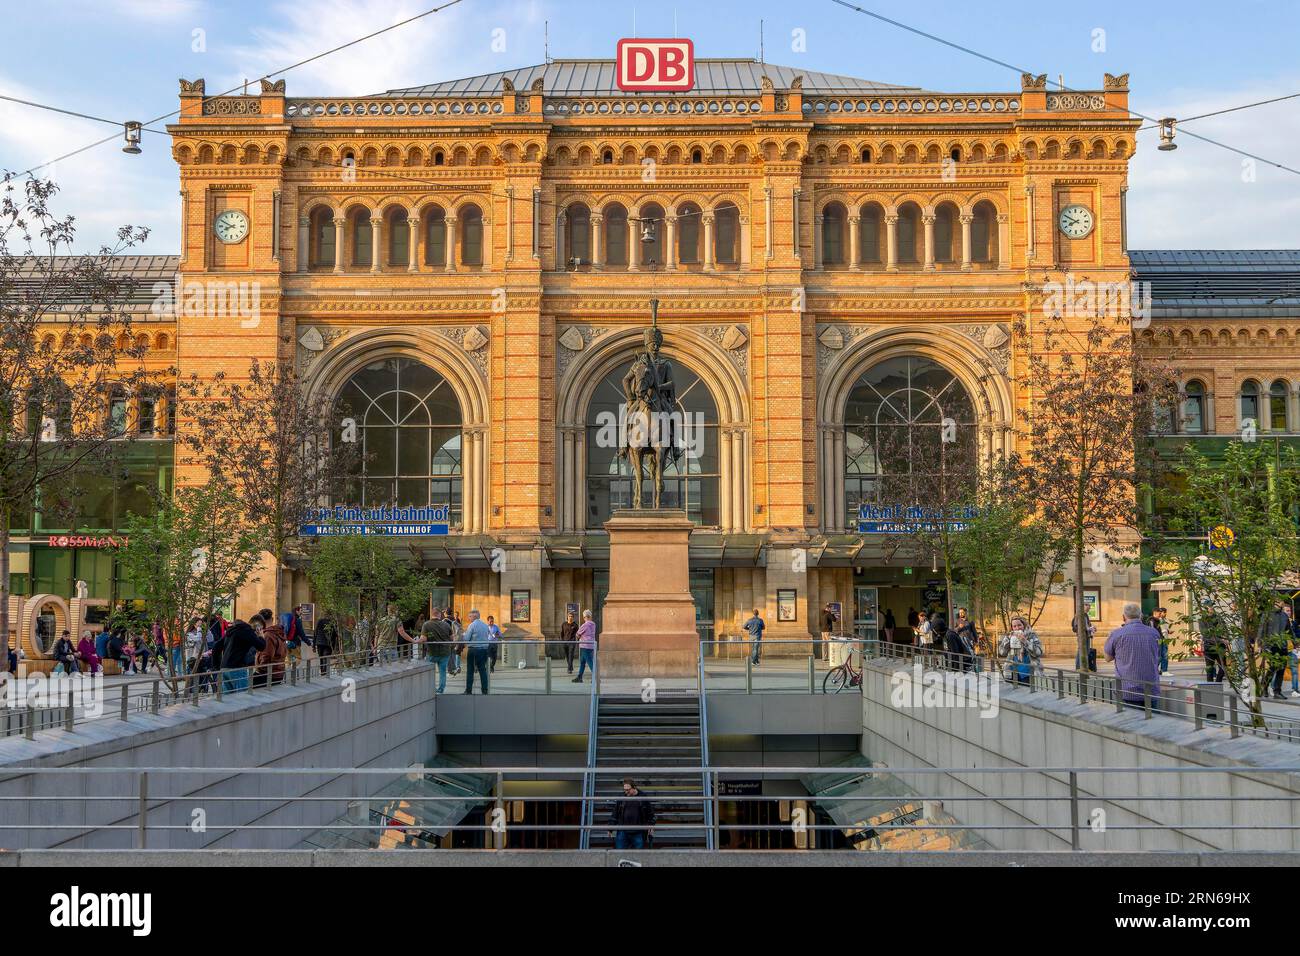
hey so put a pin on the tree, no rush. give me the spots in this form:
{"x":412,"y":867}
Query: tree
{"x":64,"y":345}
{"x":273,"y":443}
{"x":189,"y":557}
{"x":361,"y":574}
{"x":1094,"y":404}
{"x":1007,"y":555}
{"x":1254,"y":493}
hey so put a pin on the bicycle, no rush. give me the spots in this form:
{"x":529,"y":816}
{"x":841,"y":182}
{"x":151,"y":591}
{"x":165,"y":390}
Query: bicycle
{"x":841,"y":676}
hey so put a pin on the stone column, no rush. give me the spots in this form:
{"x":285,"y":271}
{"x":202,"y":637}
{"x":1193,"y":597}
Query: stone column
{"x":561,"y":250}
{"x":928,"y":222}
{"x":451,"y":243}
{"x":709,"y":264}
{"x":413,"y":242}
{"x":966,"y":220}
{"x":566,"y":478}
{"x":670,"y":243}
{"x":633,"y":245}
{"x":597,"y":247}
{"x":376,"y":244}
{"x":304,"y":243}
{"x":1004,"y":241}
{"x":854,"y":226}
{"x":738,"y":479}
{"x":837,"y":479}
{"x":744,"y":242}
{"x":891,"y":243}
{"x":338,"y":244}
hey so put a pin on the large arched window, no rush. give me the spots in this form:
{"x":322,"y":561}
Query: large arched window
{"x":984,"y":232}
{"x":398,"y":227}
{"x":435,"y":239}
{"x":577,"y":237}
{"x":1249,"y":403}
{"x":1193,"y":408}
{"x":1277,"y":417}
{"x":322,"y":237}
{"x":651,"y":254}
{"x":471,"y":231}
{"x":690,"y":484}
{"x":409,"y":429}
{"x":726,"y":234}
{"x":947,"y":234}
{"x":833,"y":225}
{"x":909,"y":232}
{"x":871,"y":238}
{"x":362,"y":238}
{"x":689,"y":231}
{"x":902,"y":417}
{"x":614,"y":232}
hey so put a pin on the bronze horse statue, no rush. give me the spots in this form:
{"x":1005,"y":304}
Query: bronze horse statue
{"x":649,"y":432}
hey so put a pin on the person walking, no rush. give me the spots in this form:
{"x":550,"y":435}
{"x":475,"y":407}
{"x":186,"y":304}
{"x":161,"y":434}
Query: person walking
{"x":457,"y":631}
{"x":755,"y":628}
{"x":436,"y":635}
{"x":1214,"y":643}
{"x":323,"y":641}
{"x":1091,"y":662}
{"x":586,"y":647}
{"x":633,"y":818}
{"x":385,"y":639}
{"x":1278,"y":646}
{"x":828,"y":622}
{"x":1294,"y":656}
{"x":270,"y":660}
{"x":569,"y":639}
{"x":1157,"y":621}
{"x":477,"y":640}
{"x":1135,"y":649}
{"x":890,"y":626}
{"x":494,"y":634}
{"x":924,"y":631}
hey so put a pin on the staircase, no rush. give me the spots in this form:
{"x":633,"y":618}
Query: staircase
{"x":663,"y":733}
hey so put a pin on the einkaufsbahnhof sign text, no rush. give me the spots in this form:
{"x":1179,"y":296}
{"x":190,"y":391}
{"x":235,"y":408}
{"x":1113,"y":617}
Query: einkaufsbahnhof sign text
{"x":392,"y":522}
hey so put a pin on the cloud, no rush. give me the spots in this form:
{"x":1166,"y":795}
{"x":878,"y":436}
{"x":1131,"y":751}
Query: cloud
{"x":1201,"y":195}
{"x":435,"y":47}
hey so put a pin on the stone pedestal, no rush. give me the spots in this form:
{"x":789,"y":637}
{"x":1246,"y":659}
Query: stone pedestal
{"x":648,"y":620}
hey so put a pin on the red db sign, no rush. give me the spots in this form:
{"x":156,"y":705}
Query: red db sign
{"x":666,"y":66}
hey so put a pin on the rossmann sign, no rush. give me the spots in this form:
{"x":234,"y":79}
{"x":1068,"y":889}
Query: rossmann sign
{"x":663,"y":66}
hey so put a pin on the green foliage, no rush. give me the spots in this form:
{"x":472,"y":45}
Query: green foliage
{"x":357,"y":575}
{"x":1254,"y":491}
{"x":190,"y":556}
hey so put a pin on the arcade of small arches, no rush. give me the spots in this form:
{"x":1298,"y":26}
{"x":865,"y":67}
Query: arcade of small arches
{"x":685,"y":235}
{"x":420,"y":412}
{"x":389,"y":237}
{"x":1272,"y":405}
{"x":905,"y":235}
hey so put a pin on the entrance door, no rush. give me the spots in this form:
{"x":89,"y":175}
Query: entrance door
{"x":702,"y":592}
{"x":866,"y":612}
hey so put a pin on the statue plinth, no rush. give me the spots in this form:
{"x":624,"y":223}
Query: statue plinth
{"x":648,"y":620}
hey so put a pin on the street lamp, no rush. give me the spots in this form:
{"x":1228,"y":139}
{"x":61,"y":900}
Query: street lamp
{"x":1168,"y":127}
{"x":132,"y":135}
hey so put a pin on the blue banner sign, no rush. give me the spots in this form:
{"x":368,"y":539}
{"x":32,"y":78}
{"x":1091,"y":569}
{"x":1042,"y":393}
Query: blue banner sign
{"x":905,"y":519}
{"x":394,"y":522}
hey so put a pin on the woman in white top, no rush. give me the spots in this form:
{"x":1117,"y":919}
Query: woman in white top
{"x":925,"y":630}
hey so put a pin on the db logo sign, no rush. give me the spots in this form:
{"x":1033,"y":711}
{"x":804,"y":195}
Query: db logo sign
{"x":664,"y":65}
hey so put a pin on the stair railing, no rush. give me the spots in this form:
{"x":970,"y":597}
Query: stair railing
{"x":710,"y":821}
{"x":589,"y":778}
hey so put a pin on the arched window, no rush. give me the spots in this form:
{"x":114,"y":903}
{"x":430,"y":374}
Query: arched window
{"x":1194,"y":408}
{"x":1277,"y":417}
{"x":866,"y":154}
{"x":435,"y":239}
{"x":471,"y":231}
{"x":169,"y":409}
{"x":984,"y":232}
{"x":652,"y":252}
{"x":689,"y":247}
{"x":362,"y":238}
{"x":577,"y":235}
{"x":147,"y":422}
{"x":909,"y":232}
{"x":117,"y":411}
{"x":895,"y":422}
{"x":1249,"y":403}
{"x":322,"y":237}
{"x":871,"y":233}
{"x":833,"y":228}
{"x":726,"y":234}
{"x":399,"y":238}
{"x":947,"y":235}
{"x":692,"y":483}
{"x":614,"y":234}
{"x":409,"y":431}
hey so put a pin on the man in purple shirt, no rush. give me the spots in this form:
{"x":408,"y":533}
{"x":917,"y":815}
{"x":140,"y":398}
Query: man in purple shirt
{"x":1135,"y":649}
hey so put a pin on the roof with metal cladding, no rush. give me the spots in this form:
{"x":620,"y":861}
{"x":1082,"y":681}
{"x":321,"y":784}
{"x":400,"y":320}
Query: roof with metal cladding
{"x":596,"y":78}
{"x":1236,"y":282}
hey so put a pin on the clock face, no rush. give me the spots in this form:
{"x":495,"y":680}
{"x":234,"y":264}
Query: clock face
{"x":231,"y":226}
{"x":1076,"y":221}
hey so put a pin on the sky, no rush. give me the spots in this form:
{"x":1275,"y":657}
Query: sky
{"x":120,"y":59}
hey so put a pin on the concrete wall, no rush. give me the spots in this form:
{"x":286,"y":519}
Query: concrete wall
{"x":387,"y":722}
{"x":1038,"y":730}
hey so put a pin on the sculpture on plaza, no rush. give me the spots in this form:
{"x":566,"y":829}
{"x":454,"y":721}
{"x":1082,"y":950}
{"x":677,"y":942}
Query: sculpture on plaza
{"x":652,"y":421}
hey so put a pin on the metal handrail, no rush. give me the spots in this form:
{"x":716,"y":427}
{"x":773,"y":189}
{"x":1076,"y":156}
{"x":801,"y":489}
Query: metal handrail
{"x":710,"y":839}
{"x":589,"y":775}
